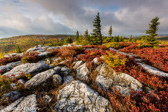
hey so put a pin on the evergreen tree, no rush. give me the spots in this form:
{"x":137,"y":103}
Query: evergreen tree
{"x":18,"y":49}
{"x":110,"y":31}
{"x":77,"y":37}
{"x":130,"y":38}
{"x":86,"y":33}
{"x":97,"y":31}
{"x":68,"y":40}
{"x":121,"y":39}
{"x":152,"y":31}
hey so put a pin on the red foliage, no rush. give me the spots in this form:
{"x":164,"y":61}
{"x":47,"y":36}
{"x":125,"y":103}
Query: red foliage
{"x":139,"y":101}
{"x":156,"y":57}
{"x":30,"y":57}
{"x":95,"y":46}
{"x":89,"y":55}
{"x":66,"y":52}
{"x":143,"y":76}
{"x":6,"y":60}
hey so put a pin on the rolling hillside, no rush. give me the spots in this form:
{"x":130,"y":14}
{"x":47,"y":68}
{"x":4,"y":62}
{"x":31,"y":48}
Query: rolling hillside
{"x":27,"y":41}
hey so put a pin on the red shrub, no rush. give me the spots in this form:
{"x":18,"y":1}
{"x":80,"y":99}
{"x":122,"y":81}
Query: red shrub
{"x":6,"y":60}
{"x":30,"y":57}
{"x":156,"y":57}
{"x":66,"y":52}
{"x":89,"y":55}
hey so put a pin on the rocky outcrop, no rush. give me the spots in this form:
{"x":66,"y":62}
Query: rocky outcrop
{"x":82,"y":72}
{"x":12,"y":106}
{"x":11,"y":96}
{"x":26,"y":69}
{"x":77,"y":96}
{"x":23,"y":104}
{"x":39,"y":78}
{"x":153,"y":70}
{"x":28,"y":104}
{"x":13,"y":54}
{"x":107,"y":78}
{"x":9,"y":66}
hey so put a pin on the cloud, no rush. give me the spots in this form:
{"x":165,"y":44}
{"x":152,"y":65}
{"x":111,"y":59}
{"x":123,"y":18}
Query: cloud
{"x":67,"y":16}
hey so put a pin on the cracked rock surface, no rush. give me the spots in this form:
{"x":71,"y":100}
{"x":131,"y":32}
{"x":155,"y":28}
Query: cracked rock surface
{"x":107,"y":78}
{"x":39,"y":78}
{"x":26,"y":69}
{"x":79,"y":97}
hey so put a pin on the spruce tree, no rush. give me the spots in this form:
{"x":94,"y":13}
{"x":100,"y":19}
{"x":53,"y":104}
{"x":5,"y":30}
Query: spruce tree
{"x":152,"y":31}
{"x":97,"y":31}
{"x":77,"y":37}
{"x":110,"y":31}
{"x":18,"y":49}
{"x":68,"y":40}
{"x":86,"y":33}
{"x":130,"y":38}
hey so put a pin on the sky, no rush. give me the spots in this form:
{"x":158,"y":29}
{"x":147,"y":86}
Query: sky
{"x":127,"y":17}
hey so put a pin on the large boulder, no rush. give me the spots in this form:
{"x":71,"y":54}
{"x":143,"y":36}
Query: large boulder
{"x":9,"y":66}
{"x":12,"y":106}
{"x":78,"y":97}
{"x":82,"y":72}
{"x":23,"y":104}
{"x":26,"y":69}
{"x":39,"y":78}
{"x":107,"y":78}
{"x":10,"y":96}
{"x":13,"y":54}
{"x":27,"y":105}
{"x":153,"y":70}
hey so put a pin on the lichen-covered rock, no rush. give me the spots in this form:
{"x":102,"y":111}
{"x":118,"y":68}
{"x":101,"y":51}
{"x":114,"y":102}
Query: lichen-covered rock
{"x":96,"y":61}
{"x":107,"y":78}
{"x":82,"y":72}
{"x":57,"y":80}
{"x":39,"y":78}
{"x":9,"y":66}
{"x":77,"y":64}
{"x":13,"y":85}
{"x":153,"y":70}
{"x":11,"y":96}
{"x":26,"y":69}
{"x":78,"y":97}
{"x":12,"y":106}
{"x":65,"y":71}
{"x":57,"y":70}
{"x":28,"y":104}
{"x":13,"y":54}
{"x":38,"y":48}
{"x":43,"y":54}
{"x":68,"y":78}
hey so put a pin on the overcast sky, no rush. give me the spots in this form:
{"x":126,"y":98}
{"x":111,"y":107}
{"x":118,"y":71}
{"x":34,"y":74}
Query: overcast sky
{"x":21,"y":17}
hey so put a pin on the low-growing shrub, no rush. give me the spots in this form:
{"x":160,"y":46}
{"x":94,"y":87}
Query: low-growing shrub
{"x":30,"y":57}
{"x":54,"y":52}
{"x":4,"y":84}
{"x":66,"y":52}
{"x":114,"y":45}
{"x":114,"y":60}
{"x":6,"y":60}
